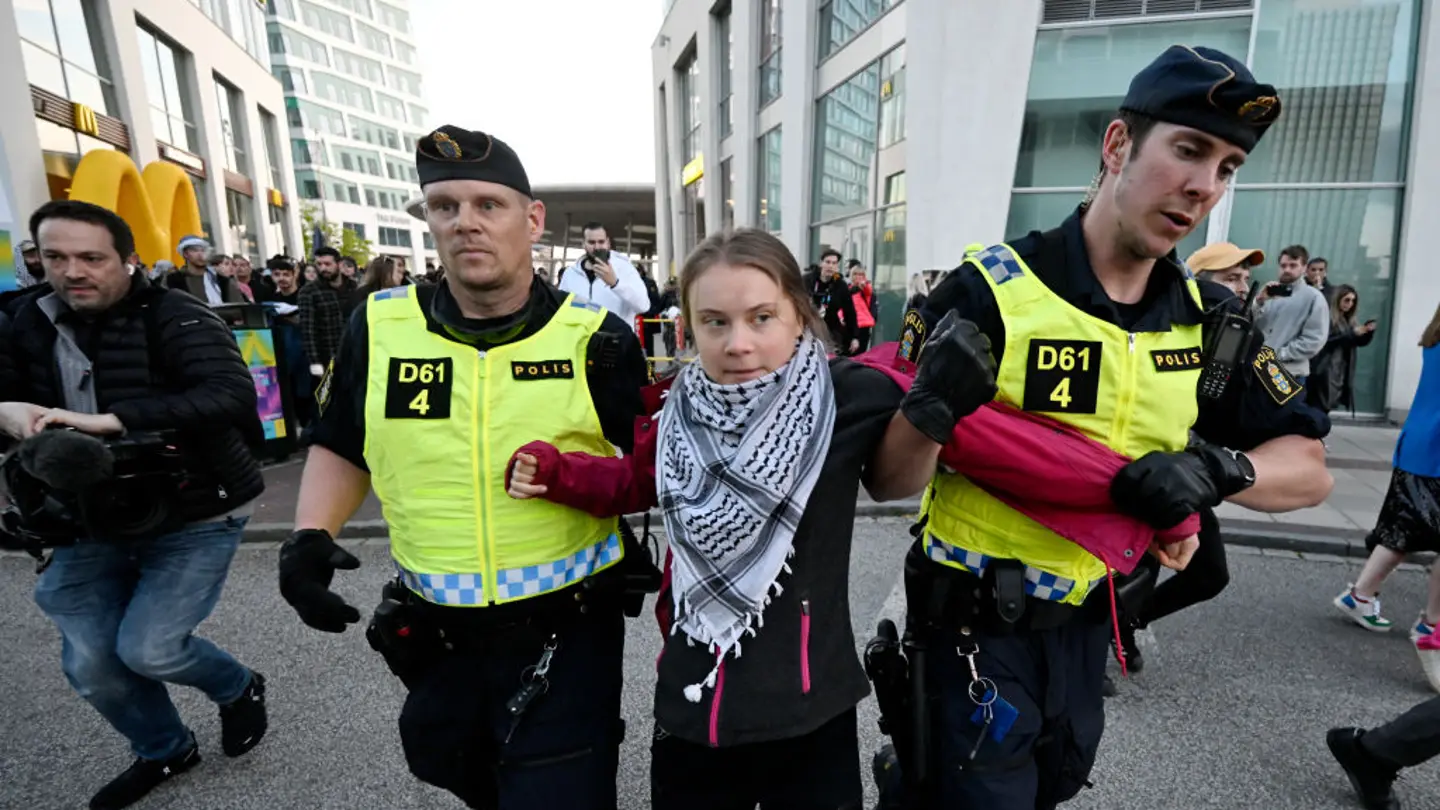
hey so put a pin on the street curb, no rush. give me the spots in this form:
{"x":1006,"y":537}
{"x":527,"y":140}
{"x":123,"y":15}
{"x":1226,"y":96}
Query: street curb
{"x":1255,"y":534}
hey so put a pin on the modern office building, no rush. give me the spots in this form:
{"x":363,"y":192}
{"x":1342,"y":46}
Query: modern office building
{"x":351,"y":73}
{"x":900,"y":131}
{"x":186,"y":83}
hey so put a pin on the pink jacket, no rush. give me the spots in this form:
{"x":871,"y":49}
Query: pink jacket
{"x":1045,"y":470}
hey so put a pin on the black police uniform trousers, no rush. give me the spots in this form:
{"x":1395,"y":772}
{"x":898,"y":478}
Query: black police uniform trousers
{"x":1054,"y":677}
{"x":1408,"y":740}
{"x":563,"y":752}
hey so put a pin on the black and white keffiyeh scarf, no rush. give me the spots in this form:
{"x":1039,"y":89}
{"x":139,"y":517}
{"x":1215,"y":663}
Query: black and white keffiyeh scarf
{"x":737,"y":466}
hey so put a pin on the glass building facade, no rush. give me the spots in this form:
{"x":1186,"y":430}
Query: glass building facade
{"x":1330,"y":175}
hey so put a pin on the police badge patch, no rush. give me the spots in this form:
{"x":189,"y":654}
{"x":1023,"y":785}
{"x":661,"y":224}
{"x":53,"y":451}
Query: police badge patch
{"x":322,"y":391}
{"x":1274,"y":378}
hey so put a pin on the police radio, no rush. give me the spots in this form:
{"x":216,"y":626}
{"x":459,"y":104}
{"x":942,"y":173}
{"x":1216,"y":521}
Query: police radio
{"x":1226,"y":350}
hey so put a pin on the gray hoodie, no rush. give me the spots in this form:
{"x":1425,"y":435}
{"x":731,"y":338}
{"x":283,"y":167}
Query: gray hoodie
{"x":1296,"y":326}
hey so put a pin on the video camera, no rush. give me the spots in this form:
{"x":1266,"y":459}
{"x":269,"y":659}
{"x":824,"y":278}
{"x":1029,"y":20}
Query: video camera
{"x":66,"y":487}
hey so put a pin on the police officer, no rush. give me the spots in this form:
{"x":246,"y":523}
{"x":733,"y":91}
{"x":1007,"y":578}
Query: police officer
{"x":504,"y":623}
{"x":1098,"y":325}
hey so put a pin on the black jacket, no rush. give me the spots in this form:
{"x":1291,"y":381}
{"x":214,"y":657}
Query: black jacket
{"x":800,"y":670}
{"x":203,"y":387}
{"x":1332,"y":371}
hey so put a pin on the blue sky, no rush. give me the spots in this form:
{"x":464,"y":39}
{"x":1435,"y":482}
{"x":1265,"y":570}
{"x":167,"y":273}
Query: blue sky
{"x":564,"y":82}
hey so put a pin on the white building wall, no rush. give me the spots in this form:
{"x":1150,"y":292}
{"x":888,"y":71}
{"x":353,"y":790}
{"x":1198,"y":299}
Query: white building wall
{"x":1417,"y":284}
{"x":210,"y":51}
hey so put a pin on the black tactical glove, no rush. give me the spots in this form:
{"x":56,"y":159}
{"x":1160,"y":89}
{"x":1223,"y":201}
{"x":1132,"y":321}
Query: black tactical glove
{"x":1163,"y":489}
{"x":308,"y":561}
{"x":956,"y":377}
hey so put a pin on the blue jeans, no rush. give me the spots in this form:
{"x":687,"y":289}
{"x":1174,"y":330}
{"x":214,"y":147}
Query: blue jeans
{"x":127,"y":612}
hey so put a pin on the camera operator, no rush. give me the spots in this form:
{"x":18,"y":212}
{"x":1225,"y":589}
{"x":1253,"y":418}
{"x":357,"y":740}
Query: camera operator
{"x":606,"y":279}
{"x":109,"y":355}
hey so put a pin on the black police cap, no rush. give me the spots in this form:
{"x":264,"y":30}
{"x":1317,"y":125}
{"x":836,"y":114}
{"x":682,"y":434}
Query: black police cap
{"x":452,"y":153}
{"x":1207,"y":90}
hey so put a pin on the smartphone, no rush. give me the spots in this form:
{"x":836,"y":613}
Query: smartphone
{"x":1370,"y":322}
{"x":1277,"y":290}
{"x":602,"y":255}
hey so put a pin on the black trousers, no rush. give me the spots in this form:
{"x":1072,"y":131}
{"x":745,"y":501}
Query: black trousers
{"x":564,"y":752}
{"x":1408,"y":740}
{"x":1054,"y":678}
{"x":1203,"y":579}
{"x":819,"y":771}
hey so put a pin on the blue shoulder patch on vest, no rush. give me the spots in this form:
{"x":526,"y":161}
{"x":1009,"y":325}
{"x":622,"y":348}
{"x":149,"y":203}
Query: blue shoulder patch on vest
{"x":1185,"y":268}
{"x":581,"y":303}
{"x":1000,"y":262}
{"x":394,"y":292}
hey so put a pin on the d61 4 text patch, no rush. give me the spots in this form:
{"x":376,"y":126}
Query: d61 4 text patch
{"x":1062,"y":376}
{"x":419,"y":389}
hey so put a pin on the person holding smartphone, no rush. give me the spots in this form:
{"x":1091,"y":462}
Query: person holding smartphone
{"x":606,"y":278}
{"x":1293,"y":315}
{"x":1333,"y":369}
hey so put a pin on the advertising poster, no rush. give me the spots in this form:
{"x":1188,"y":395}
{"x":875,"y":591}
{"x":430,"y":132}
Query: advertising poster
{"x":257,"y":346}
{"x":9,"y":259}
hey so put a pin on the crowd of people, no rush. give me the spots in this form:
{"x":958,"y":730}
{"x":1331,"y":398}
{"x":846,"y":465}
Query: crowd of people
{"x":508,"y":425}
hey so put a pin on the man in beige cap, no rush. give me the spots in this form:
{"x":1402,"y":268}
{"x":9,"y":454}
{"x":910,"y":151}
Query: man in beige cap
{"x":1226,"y":264}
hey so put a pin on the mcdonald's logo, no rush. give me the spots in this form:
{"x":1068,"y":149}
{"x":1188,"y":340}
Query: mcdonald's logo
{"x":159,"y":206}
{"x":86,"y":120}
{"x":889,"y":235}
{"x":276,"y":198}
{"x":887,"y":89}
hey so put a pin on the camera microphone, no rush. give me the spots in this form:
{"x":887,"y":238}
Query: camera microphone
{"x":67,"y":460}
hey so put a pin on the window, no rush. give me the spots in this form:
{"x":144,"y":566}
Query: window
{"x":342,"y":91}
{"x":361,"y":7}
{"x":769,"y":51}
{"x":308,"y":115}
{"x":286,"y":40}
{"x":404,"y":81}
{"x":388,"y":199}
{"x":362,"y":130}
{"x":401,"y":170}
{"x":292,"y":80}
{"x":271,"y":132}
{"x":392,"y":17}
{"x":429,"y":240}
{"x":357,"y":160}
{"x":281,"y":8}
{"x":727,"y":69}
{"x":323,"y":19}
{"x":418,"y":115}
{"x":395,"y":237}
{"x":727,"y":194}
{"x":169,"y":113}
{"x":390,"y":107}
{"x":232,"y":123}
{"x":242,"y":222}
{"x":841,"y":20}
{"x":892,"y":97}
{"x":690,"y":113}
{"x":62,"y":47}
{"x":406,"y":52}
{"x":373,"y":39}
{"x":769,"y":181}
{"x":1080,"y":76}
{"x":357,"y":228}
{"x":359,"y":66}
{"x":845,"y":142}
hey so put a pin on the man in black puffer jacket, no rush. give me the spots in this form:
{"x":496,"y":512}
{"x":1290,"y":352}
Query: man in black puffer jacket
{"x":107,"y":354}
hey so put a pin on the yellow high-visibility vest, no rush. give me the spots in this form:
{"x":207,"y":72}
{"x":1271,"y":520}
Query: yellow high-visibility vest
{"x":442,"y":420}
{"x":1134,"y":392}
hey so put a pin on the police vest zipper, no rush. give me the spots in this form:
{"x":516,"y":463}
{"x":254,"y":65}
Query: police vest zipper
{"x":480,"y":456}
{"x":1127,"y":397}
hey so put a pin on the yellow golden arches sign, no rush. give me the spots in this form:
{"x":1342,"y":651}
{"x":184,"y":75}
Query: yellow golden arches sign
{"x":159,"y":206}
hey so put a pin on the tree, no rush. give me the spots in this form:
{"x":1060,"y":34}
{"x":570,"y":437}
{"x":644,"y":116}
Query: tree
{"x":342,"y":239}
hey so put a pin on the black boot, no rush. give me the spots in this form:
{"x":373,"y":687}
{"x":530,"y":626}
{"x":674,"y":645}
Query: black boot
{"x":142,"y":777}
{"x":243,"y":722}
{"x":885,"y":768}
{"x":1371,"y":778}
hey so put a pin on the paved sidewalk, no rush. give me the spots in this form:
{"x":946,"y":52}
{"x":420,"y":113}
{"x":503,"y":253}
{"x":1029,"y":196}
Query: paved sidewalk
{"x":1358,"y":457}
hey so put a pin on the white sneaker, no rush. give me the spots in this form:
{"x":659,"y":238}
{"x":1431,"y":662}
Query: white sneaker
{"x":1364,"y":612}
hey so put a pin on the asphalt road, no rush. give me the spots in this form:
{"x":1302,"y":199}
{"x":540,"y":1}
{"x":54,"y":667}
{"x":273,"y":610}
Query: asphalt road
{"x":1230,"y":712}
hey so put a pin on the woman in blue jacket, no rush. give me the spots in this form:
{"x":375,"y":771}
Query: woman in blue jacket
{"x":1410,"y":518}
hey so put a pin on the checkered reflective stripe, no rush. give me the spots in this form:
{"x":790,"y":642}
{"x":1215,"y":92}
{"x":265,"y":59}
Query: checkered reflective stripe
{"x":513,"y":583}
{"x":444,"y":589}
{"x":1039,"y":584}
{"x":393,"y":292}
{"x":1000,"y":262}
